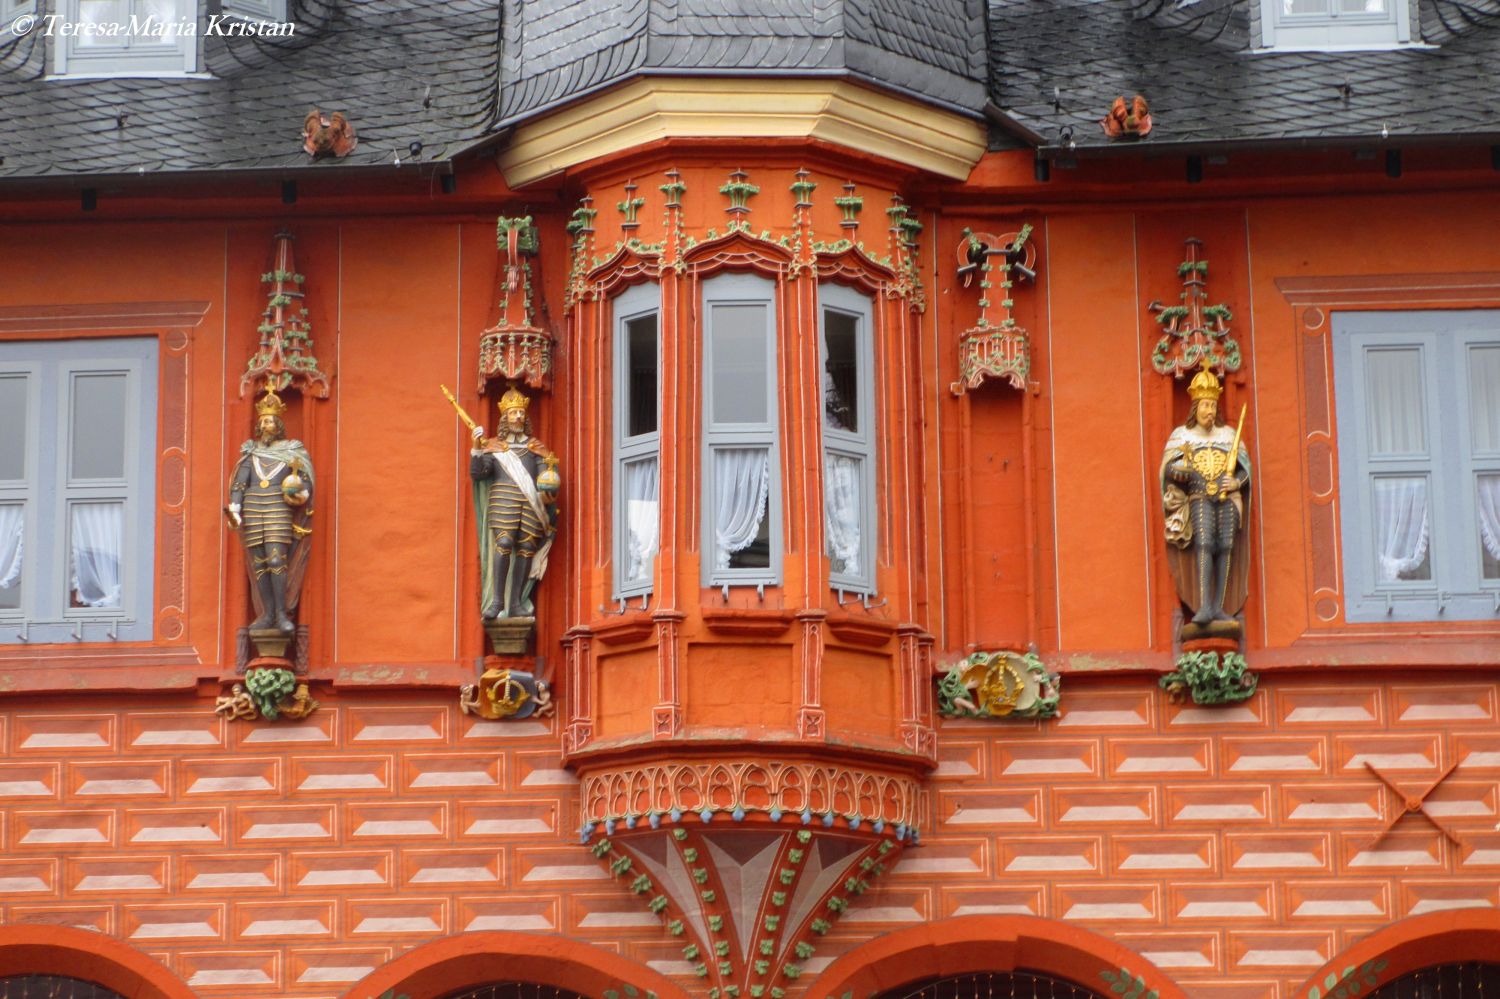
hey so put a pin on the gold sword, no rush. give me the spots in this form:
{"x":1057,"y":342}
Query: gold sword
{"x":1234,"y":454}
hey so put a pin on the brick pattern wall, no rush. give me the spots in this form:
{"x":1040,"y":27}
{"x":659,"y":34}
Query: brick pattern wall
{"x":1235,"y":847}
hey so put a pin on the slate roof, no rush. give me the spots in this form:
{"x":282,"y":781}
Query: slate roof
{"x":403,"y":71}
{"x":1056,"y":65}
{"x":557,"y":50}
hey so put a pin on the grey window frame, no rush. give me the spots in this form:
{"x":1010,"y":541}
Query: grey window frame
{"x":861,"y":445}
{"x":634,"y":303}
{"x":256,"y":10}
{"x":741,"y":289}
{"x":1457,"y":590}
{"x":44,"y":615}
{"x":179,"y":59}
{"x":1334,"y":29}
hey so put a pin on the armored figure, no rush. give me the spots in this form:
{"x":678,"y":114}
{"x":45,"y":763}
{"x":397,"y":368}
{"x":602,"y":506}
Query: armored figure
{"x":270,"y":495}
{"x":1205,"y":478}
{"x":515,"y":489}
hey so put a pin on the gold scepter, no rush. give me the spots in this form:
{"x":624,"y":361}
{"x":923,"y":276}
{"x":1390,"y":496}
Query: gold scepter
{"x":468,"y":420}
{"x":1234,"y":454}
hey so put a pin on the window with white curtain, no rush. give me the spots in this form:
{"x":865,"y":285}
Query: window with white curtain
{"x":847,"y":376}
{"x":637,"y":415}
{"x":741,"y":468}
{"x":1334,"y":24}
{"x":126,"y":37}
{"x":77,"y":489}
{"x":1419,"y":464}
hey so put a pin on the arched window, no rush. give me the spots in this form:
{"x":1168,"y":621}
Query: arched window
{"x":1461,"y":980}
{"x":52,"y":987}
{"x":514,"y":990}
{"x":994,"y":985}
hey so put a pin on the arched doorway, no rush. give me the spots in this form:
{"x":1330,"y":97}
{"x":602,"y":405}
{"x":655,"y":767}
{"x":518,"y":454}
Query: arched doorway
{"x":81,"y":964}
{"x":1456,"y":980}
{"x":1431,"y":956}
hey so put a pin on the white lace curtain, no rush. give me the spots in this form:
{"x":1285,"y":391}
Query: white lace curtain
{"x":98,"y":533}
{"x":643,"y":519}
{"x":1489,"y":514}
{"x":841,"y":507}
{"x":12,"y":525}
{"x":742,"y":482}
{"x":1401,"y":525}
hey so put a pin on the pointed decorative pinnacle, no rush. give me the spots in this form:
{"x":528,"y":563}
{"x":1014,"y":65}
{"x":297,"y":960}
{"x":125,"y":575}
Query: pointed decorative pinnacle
{"x":740,"y":190}
{"x":850,"y":204}
{"x":803,"y":188}
{"x":673,"y":188}
{"x":582,"y":221}
{"x":284,"y":358}
{"x":630,"y":206}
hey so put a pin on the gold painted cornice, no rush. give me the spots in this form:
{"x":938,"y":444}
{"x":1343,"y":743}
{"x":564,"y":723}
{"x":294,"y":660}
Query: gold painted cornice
{"x":834,"y":111}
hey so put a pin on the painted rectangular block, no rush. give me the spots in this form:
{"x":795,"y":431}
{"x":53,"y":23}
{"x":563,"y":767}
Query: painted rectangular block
{"x":246,"y":776}
{"x":38,"y":830}
{"x":474,"y":731}
{"x":452,"y":867}
{"x":411,"y":918}
{"x":1010,"y":900}
{"x":144,"y":731}
{"x":422,"y":725}
{"x":1387,"y":753}
{"x":540,"y":770}
{"x":318,"y":730}
{"x":1222,"y":901}
{"x":1176,"y":757}
{"x":337,"y":967}
{"x":115,"y":874}
{"x":202,"y":826}
{"x":284,"y":823}
{"x":964,"y":810}
{"x":1112,"y":805}
{"x":1279,"y":851}
{"x":1333,"y":804}
{"x":133,"y":779}
{"x":1353,"y":706}
{"x":99,"y":918}
{"x":299,"y":919}
{"x":229,"y":972}
{"x":1109,"y":709}
{"x":170,"y":922}
{"x":610,"y":914}
{"x":238,"y":872}
{"x":434,"y":771}
{"x":1220,"y":804}
{"x":1290,"y":951}
{"x":1247,"y":715}
{"x":340,"y":776}
{"x":21,"y":877}
{"x":479,"y":819}
{"x":536,"y":866}
{"x":72,"y":733}
{"x":1177,"y":854}
{"x":1416,"y":898}
{"x":1108,"y":904}
{"x":404,"y":820}
{"x":1193,"y":952}
{"x":1342,"y":900}
{"x":1416,"y":850}
{"x":889,"y":907}
{"x":1273,"y":754}
{"x":23,"y":781}
{"x":1055,"y":758}
{"x":320,"y":870}
{"x":500,"y":912}
{"x":1048,"y":855}
{"x":946,"y":859}
{"x":1444,"y":704}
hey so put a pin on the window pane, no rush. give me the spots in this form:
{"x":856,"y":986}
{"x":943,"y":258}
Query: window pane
{"x":13,"y":422}
{"x":1484,"y":397}
{"x":95,"y":541}
{"x":103,"y":12}
{"x":1305,"y":6}
{"x":1394,"y":399}
{"x":739,"y":359}
{"x":1488,"y":504}
{"x":642,"y":519}
{"x":742,"y":533}
{"x":840,"y":372}
{"x":1362,"y":6}
{"x":640,"y":337}
{"x":1402,"y":528}
{"x":843,"y":503}
{"x":12,"y":527}
{"x":98,"y":430}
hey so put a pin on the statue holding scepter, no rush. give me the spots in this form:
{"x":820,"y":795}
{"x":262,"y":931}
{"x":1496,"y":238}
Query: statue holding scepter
{"x":515,"y":491}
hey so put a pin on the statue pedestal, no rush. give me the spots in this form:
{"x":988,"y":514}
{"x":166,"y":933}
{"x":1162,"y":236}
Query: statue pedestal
{"x":1223,"y":646}
{"x":1213,"y":631}
{"x":271,"y":643}
{"x":510,"y":635}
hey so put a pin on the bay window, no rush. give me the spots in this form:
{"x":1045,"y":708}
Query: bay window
{"x":741,"y":466}
{"x":77,"y":489}
{"x":637,"y":439}
{"x":848,"y":458}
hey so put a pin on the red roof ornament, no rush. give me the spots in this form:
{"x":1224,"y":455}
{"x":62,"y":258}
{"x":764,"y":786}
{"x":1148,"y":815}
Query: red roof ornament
{"x":1127,"y":119}
{"x":327,"y":135}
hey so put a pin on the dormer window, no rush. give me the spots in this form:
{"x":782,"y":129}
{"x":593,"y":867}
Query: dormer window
{"x":1334,"y":24}
{"x":125,"y":37}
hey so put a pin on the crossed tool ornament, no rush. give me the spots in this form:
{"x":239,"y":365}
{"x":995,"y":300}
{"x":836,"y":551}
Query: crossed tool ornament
{"x":1415,"y":803}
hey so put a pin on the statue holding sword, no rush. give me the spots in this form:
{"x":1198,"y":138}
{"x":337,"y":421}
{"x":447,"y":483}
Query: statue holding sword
{"x":515,"y":491}
{"x":1205,"y":480}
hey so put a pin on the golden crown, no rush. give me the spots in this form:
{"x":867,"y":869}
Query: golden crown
{"x":513,"y":400}
{"x":1205,"y":385}
{"x":269,"y":404}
